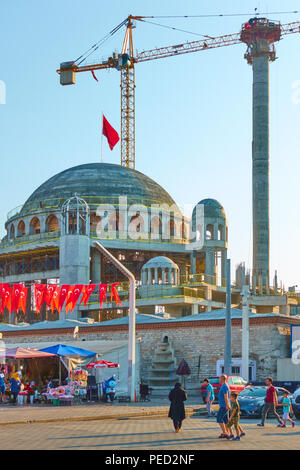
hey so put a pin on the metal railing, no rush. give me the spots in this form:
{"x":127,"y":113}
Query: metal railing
{"x":26,"y":239}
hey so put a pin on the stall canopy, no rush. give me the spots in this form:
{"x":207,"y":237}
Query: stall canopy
{"x":102,"y":365}
{"x":70,"y":356}
{"x":24,"y":353}
{"x":62,"y":350}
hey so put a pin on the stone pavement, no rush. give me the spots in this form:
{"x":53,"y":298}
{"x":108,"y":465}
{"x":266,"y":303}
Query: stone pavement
{"x":156,"y":434}
{"x":10,"y":414}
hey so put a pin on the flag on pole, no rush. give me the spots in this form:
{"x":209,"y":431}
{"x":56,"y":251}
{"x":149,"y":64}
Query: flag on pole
{"x":110,"y":133}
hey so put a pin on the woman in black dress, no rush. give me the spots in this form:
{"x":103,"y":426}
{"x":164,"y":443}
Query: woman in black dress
{"x":177,"y":396}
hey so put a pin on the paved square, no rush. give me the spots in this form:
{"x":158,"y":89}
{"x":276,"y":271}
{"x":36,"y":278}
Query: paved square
{"x":136,"y":434}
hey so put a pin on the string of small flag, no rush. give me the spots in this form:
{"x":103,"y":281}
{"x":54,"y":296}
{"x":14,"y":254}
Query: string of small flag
{"x":14,"y":298}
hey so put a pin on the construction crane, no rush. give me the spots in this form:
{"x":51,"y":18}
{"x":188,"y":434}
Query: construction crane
{"x":259,"y":34}
{"x":125,"y":63}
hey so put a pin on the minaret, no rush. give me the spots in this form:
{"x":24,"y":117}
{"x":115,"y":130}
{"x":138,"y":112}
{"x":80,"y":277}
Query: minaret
{"x":260,"y":34}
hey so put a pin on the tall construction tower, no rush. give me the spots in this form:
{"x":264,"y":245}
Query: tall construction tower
{"x":260,"y":34}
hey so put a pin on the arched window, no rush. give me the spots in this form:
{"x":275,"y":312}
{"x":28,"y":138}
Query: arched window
{"x":115,"y":222}
{"x":21,"y":229}
{"x":220,"y":232}
{"x":12,"y":231}
{"x":156,"y":225}
{"x":52,"y":224}
{"x":34,"y":226}
{"x":172,"y":228}
{"x":95,"y":221}
{"x":136,"y":223}
{"x":184,"y":230}
{"x":209,"y":234}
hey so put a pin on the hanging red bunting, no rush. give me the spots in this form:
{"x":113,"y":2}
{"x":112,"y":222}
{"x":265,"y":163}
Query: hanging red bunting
{"x":76,"y":294}
{"x":39,"y":293}
{"x":63,"y":295}
{"x":102,"y":293}
{"x":69,"y":298}
{"x":3,"y":287}
{"x":23,"y":300}
{"x":15,"y":298}
{"x":86,"y":291}
{"x":55,"y":300}
{"x":49,"y":294}
{"x":7,"y":298}
{"x":114,"y":294}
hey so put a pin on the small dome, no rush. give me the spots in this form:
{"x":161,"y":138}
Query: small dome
{"x":160,"y":262}
{"x":212,"y":208}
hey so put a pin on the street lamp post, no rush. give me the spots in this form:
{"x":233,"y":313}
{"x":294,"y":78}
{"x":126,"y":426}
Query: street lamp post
{"x":245,"y":332}
{"x":227,"y":348}
{"x":131,"y":333}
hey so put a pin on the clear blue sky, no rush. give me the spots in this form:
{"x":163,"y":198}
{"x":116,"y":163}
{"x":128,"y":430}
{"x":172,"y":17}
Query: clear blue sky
{"x":193,"y":112}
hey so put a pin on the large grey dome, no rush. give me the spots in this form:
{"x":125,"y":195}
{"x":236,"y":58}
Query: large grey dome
{"x":97,"y":183}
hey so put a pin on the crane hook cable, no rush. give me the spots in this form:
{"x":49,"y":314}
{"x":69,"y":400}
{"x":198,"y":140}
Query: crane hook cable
{"x":95,"y":46}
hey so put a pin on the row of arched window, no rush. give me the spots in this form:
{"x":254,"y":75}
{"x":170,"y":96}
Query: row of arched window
{"x":51,"y":225}
{"x":115,"y":222}
{"x":209,"y":234}
{"x":138,"y":223}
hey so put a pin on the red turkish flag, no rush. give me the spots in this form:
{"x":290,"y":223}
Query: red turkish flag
{"x":15,"y":298}
{"x":102,"y":293}
{"x":49,"y":294}
{"x":69,"y":298}
{"x":39,"y":292}
{"x":63,"y":295}
{"x":87,"y":290}
{"x":110,"y":133}
{"x":55,"y":300}
{"x":3,"y":287}
{"x":75,"y":295}
{"x":7,"y":298}
{"x":114,"y":293}
{"x":23,"y":300}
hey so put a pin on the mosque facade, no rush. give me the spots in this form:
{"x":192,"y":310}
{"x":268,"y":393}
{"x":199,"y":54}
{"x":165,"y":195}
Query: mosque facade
{"x":179,"y":263}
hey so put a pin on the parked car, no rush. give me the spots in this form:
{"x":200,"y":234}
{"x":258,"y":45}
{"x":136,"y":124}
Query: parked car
{"x":296,"y":403}
{"x":235,"y":384}
{"x":252,"y":400}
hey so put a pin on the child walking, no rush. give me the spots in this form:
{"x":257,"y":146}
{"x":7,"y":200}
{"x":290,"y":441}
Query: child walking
{"x":287,"y":409}
{"x":234,"y":418}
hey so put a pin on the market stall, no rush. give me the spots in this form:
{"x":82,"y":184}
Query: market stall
{"x":24,"y":360}
{"x":107,"y":387}
{"x":74,"y":359}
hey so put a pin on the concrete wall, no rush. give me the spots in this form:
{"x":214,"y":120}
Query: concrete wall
{"x":287,"y":371}
{"x":268,"y":343}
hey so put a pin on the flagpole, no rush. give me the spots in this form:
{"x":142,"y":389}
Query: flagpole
{"x":102,"y":140}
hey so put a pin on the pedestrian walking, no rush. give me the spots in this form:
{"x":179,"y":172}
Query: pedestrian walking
{"x":224,"y":407}
{"x":210,"y":396}
{"x":177,"y":397}
{"x":234,"y":418}
{"x":271,"y":402}
{"x":287,"y":410}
